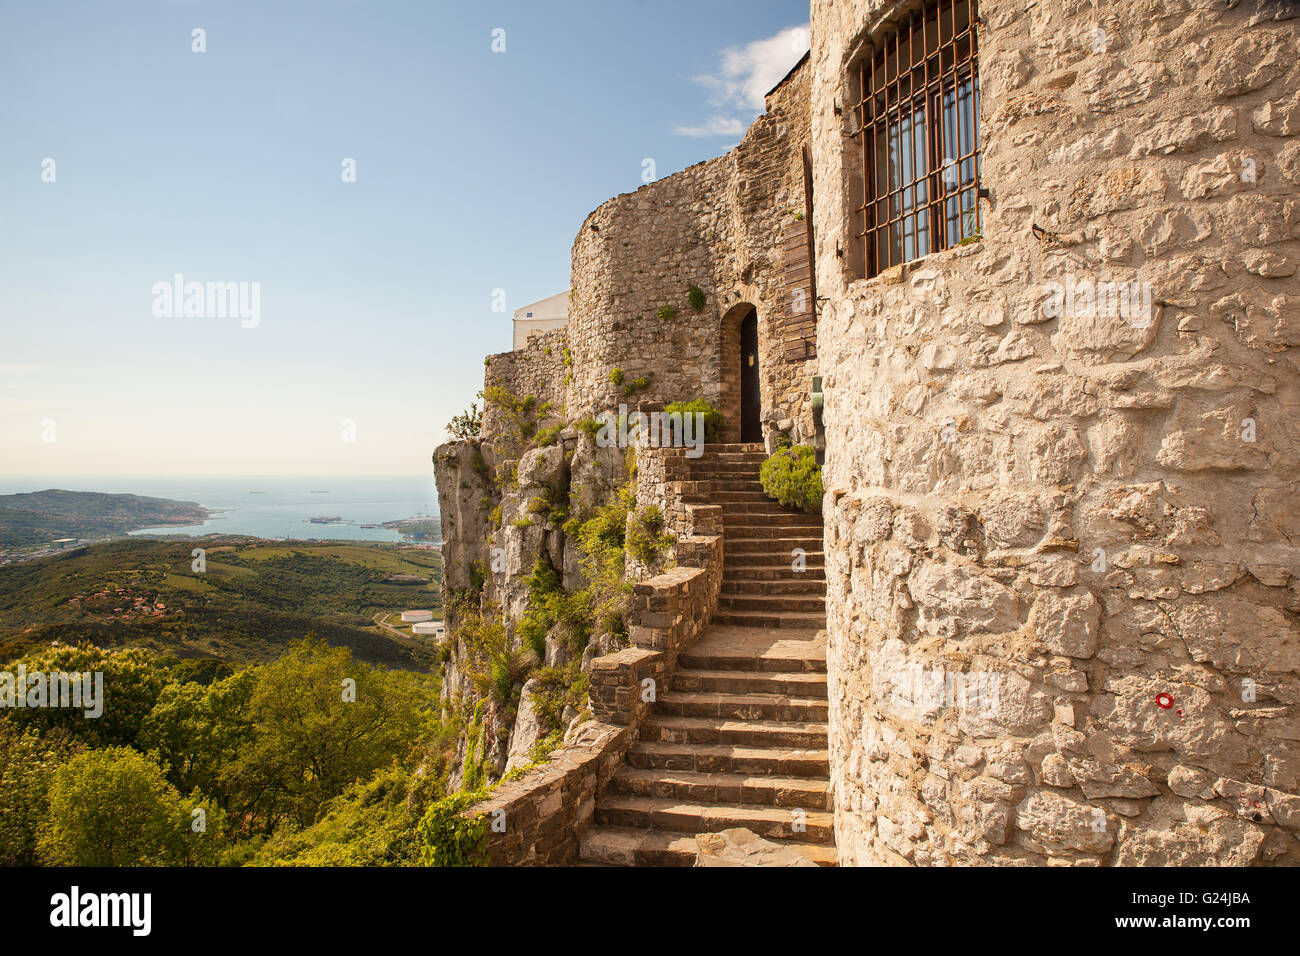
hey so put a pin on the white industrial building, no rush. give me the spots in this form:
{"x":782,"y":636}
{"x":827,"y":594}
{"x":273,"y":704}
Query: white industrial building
{"x":415,"y":617}
{"x":541,"y":316}
{"x":435,"y":629}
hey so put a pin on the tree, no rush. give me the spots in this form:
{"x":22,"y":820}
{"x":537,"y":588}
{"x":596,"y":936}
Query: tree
{"x":468,"y":425}
{"x":27,"y":764}
{"x":131,"y":682}
{"x":113,"y":807}
{"x":320,"y":722}
{"x":198,"y":732}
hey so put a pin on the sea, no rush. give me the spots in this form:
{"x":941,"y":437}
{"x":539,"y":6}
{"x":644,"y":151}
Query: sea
{"x":275,"y":508}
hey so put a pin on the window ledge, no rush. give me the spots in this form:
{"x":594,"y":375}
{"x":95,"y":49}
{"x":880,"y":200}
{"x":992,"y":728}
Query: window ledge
{"x":895,"y":275}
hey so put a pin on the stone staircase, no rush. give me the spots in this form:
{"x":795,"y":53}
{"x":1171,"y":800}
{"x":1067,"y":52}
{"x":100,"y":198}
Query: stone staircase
{"x":738,"y":739}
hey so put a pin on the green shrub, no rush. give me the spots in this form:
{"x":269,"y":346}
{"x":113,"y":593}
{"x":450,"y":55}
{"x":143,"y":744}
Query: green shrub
{"x":695,"y":296}
{"x":449,"y":839}
{"x":792,"y":477}
{"x":712,"y":417}
{"x":616,"y":376}
{"x":646,"y":540}
{"x":666,"y":313}
{"x":468,"y":425}
{"x":638,"y":384}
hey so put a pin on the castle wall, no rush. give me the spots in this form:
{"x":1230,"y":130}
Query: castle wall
{"x":536,"y":368}
{"x":717,"y":225}
{"x":1068,"y":514}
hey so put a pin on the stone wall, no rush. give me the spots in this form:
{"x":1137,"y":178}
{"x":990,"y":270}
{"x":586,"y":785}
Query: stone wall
{"x":538,"y":818}
{"x":536,"y":368}
{"x":663,"y":478}
{"x":1091,"y":522}
{"x":717,"y":225}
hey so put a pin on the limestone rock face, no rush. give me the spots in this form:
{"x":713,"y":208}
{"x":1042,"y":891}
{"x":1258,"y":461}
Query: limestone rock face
{"x":1063,"y":543}
{"x":461,"y":472}
{"x":528,"y":728}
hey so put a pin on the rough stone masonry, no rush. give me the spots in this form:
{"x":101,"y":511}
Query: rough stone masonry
{"x":1100,"y":513}
{"x":1062,"y":461}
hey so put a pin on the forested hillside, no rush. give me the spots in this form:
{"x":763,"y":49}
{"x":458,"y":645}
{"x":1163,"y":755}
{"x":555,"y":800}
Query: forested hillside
{"x":248,"y":602}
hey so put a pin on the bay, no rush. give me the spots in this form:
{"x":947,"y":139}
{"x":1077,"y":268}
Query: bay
{"x":271,"y":507}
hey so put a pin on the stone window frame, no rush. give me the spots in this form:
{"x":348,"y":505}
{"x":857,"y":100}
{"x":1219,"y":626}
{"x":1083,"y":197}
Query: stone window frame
{"x":884,"y":29}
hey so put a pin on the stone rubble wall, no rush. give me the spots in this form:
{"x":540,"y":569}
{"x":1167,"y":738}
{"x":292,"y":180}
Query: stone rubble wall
{"x":536,"y":369}
{"x":716,"y":225}
{"x":1066,"y":512}
{"x":537,"y":819}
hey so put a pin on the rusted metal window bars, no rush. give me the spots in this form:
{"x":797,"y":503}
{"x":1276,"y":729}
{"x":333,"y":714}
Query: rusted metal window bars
{"x":918,"y":118}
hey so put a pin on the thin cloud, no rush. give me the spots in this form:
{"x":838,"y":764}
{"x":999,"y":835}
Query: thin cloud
{"x":744,"y":75}
{"x":717,"y":126}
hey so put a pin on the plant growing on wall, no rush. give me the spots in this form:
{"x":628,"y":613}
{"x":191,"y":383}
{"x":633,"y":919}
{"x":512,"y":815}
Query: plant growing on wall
{"x":449,"y":839}
{"x":666,"y":313}
{"x":695,"y":296}
{"x":712,"y":417}
{"x":638,"y":384}
{"x":616,"y":376}
{"x":646,"y":540}
{"x":793,"y":478}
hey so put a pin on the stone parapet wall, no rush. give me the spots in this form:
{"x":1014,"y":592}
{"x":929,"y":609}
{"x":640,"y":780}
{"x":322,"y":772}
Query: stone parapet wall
{"x":1091,"y":521}
{"x":540,"y":817}
{"x":536,"y":368}
{"x":659,"y":476}
{"x":536,"y":820}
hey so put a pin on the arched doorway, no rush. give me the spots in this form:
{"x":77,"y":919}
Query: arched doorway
{"x":751,"y":425}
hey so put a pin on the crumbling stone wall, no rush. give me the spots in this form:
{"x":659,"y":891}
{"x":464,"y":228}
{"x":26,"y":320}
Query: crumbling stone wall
{"x":717,"y":225}
{"x":537,"y":369}
{"x":1094,"y":523}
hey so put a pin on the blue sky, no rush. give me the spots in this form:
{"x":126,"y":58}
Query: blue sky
{"x":474,"y":170}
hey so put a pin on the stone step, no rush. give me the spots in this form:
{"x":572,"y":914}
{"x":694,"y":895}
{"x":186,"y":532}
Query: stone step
{"x":796,"y":584}
{"x":721,"y":730}
{"x":726,"y":497}
{"x":730,"y":681}
{"x":811,"y":559}
{"x":772,"y":519}
{"x":762,"y":619}
{"x":678,"y":815}
{"x":765,"y":505}
{"x":779,"y":656}
{"x":735,"y":789}
{"x":736,"y":447}
{"x":736,"y":573}
{"x":708,"y":467}
{"x":774,"y":603}
{"x":785,"y":543}
{"x":654,"y":755}
{"x":618,"y":846}
{"x":676,"y":703}
{"x":712,"y":486}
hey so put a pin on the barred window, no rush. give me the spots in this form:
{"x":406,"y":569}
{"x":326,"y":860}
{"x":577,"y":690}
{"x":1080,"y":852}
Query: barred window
{"x":917,"y":110}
